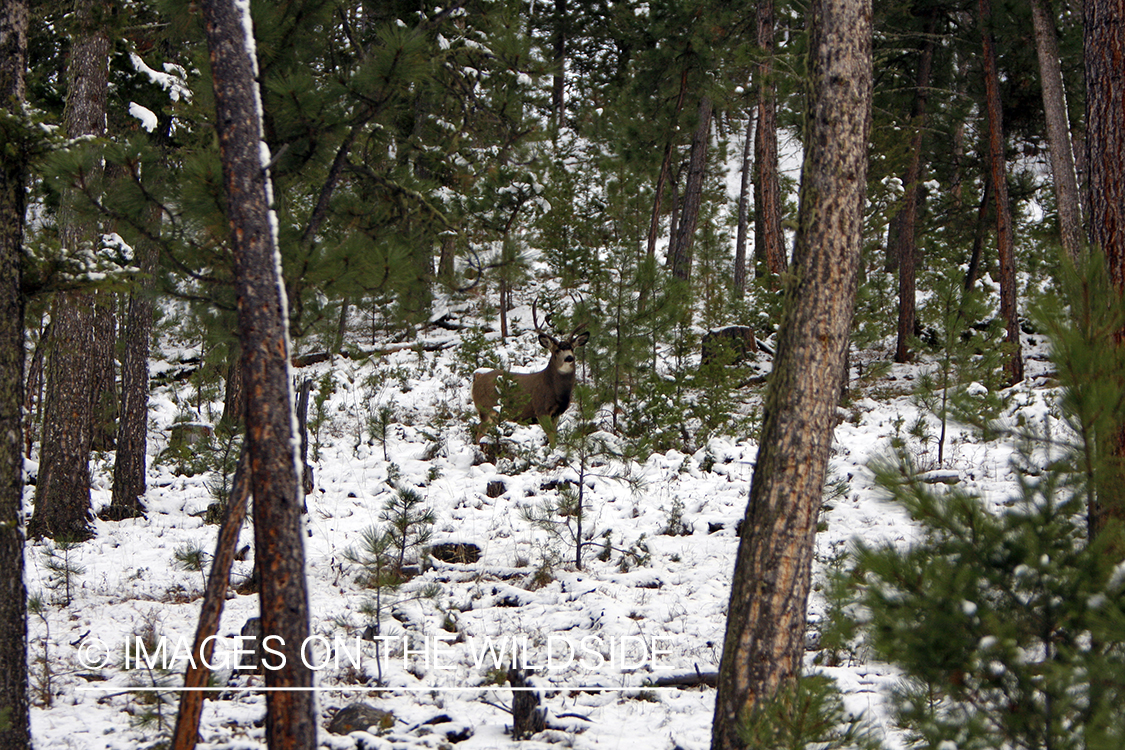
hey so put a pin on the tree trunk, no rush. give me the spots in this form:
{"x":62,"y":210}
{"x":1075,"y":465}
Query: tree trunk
{"x":766,"y":618}
{"x":106,"y":401}
{"x":905,"y":239}
{"x":979,"y":235}
{"x":1005,"y":242}
{"x":558,"y":87}
{"x":680,"y":254}
{"x":62,"y":492}
{"x":15,"y":733}
{"x":1058,"y":128}
{"x":1104,"y":31}
{"x":234,"y":394}
{"x":211,"y":609}
{"x":290,"y":714}
{"x":661,"y":182}
{"x":129,"y":466}
{"x":743,"y":212}
{"x":769,"y":239}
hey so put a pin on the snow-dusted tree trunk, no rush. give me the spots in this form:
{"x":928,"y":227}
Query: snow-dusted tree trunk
{"x":275,"y":484}
{"x":765,"y":634}
{"x":14,"y":730}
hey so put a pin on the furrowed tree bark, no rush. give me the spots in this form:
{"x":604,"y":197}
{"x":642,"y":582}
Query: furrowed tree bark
{"x":262,"y":320}
{"x":1065,"y":178}
{"x":129,"y":465}
{"x":211,"y":610}
{"x":769,"y":240}
{"x":62,"y":491}
{"x":1005,"y":242}
{"x":680,"y":253}
{"x":15,"y":733}
{"x":769,"y":593}
{"x":905,"y":239}
{"x":1104,"y":33}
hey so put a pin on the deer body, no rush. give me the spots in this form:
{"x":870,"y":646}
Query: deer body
{"x":529,"y":397}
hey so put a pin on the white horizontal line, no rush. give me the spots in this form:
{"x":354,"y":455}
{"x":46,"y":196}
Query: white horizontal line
{"x":361,"y":689}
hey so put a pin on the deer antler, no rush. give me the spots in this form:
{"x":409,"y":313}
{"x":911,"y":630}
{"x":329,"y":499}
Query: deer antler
{"x":535,"y":317}
{"x":578,"y":328}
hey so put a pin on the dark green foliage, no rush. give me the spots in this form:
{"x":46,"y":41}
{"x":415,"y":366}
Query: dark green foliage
{"x":1084,"y":321}
{"x":1009,"y":623}
{"x":999,"y":620}
{"x":808,"y":712}
{"x":965,"y":382}
{"x":193,"y":557}
{"x":63,"y":570}
{"x":409,"y":523}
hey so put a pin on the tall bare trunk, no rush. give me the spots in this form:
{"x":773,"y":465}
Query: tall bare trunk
{"x":558,"y":84}
{"x":62,"y":493}
{"x":680,"y":254}
{"x":1104,"y":31}
{"x":1058,"y":128}
{"x":290,"y":715}
{"x":661,"y":183}
{"x":743,"y":212}
{"x":130,"y":464}
{"x":15,"y":732}
{"x":766,"y":618}
{"x":1005,"y":242}
{"x":769,"y":240}
{"x":905,"y":240}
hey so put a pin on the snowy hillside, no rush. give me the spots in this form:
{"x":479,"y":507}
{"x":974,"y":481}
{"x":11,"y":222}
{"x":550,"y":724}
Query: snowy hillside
{"x":603,"y":635}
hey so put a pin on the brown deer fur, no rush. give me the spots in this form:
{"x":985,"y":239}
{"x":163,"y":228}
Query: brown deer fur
{"x":529,"y":397}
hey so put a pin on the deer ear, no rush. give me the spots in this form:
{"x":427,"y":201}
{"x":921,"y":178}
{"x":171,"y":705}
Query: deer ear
{"x":581,"y":339}
{"x":546,"y":341}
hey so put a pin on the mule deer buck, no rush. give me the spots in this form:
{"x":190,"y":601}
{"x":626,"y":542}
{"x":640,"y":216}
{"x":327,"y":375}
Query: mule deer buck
{"x":530,"y":397}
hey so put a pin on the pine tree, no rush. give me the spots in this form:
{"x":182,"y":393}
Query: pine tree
{"x":765,"y":622}
{"x":1006,"y":625}
{"x":62,"y":494}
{"x":290,"y":716}
{"x":15,"y":731}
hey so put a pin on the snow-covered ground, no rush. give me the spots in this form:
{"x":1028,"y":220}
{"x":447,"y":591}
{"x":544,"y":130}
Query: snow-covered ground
{"x":601,"y":627}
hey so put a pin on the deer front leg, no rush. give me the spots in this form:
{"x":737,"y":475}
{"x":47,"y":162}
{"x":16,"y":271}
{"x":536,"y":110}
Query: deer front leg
{"x":550,"y":427}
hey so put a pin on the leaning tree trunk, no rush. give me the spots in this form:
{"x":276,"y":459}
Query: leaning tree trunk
{"x":198,"y":674}
{"x":15,"y":733}
{"x":905,"y":239}
{"x":680,"y":253}
{"x":769,"y":240}
{"x":62,"y":491}
{"x":1058,"y":128}
{"x":1104,"y":31}
{"x":1005,"y":242}
{"x":766,"y":618}
{"x":290,"y":715}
